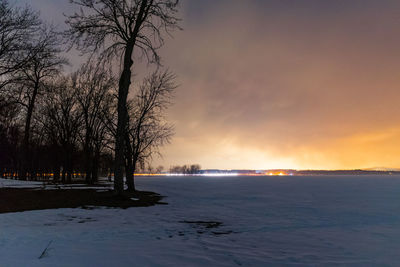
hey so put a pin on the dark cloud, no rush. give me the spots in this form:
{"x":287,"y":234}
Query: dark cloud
{"x":296,"y":84}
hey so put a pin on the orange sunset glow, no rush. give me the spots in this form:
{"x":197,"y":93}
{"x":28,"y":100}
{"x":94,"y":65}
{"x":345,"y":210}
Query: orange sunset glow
{"x":292,"y":84}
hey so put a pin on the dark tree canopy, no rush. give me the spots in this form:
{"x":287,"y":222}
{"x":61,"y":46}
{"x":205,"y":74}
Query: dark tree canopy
{"x":65,"y":126}
{"x":93,"y":86}
{"x":18,"y":26}
{"x":108,"y":26}
{"x":29,"y":81}
{"x":122,"y":29}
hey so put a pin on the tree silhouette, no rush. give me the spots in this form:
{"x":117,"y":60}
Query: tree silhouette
{"x":147,"y":129}
{"x":18,"y":27}
{"x":125,"y":30}
{"x":29,"y":82}
{"x":93,"y":86}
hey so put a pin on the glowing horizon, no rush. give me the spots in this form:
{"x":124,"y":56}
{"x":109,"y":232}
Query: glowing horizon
{"x":277,"y":84}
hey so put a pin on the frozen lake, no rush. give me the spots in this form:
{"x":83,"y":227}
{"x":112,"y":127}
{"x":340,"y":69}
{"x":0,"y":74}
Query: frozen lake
{"x":221,"y":221}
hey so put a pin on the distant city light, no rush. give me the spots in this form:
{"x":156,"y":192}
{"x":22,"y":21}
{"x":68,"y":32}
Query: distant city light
{"x":218,"y":174}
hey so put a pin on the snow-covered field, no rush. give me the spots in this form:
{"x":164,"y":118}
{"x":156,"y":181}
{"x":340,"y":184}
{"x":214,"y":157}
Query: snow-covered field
{"x":266,"y":221}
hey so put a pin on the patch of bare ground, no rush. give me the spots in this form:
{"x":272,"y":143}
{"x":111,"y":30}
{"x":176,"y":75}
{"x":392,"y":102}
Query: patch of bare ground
{"x":18,"y":199}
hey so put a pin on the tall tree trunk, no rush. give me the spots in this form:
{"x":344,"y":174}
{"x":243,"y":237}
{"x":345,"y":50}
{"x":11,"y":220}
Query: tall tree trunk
{"x":63,"y":175}
{"x":33,"y":174}
{"x":69,"y":165}
{"x":110,"y":174}
{"x":69,"y":176}
{"x":25,"y":148}
{"x":56,"y":174}
{"x":95,"y":166}
{"x":69,"y":171}
{"x":129,"y":169}
{"x":129,"y":175}
{"x":88,"y":168}
{"x":124,"y":84}
{"x":88,"y":159}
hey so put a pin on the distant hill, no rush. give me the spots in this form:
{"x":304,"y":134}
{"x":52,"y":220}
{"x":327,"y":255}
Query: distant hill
{"x":383,"y":169}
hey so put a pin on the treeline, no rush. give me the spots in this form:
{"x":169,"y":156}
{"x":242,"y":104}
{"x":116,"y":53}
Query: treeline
{"x":58,"y":125}
{"x":186,"y":169}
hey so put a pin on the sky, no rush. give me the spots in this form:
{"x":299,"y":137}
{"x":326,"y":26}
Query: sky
{"x":308,"y":84}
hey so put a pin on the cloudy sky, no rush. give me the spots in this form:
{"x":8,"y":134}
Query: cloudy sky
{"x":281,"y":84}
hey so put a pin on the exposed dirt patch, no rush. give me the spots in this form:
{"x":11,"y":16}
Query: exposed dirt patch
{"x":209,"y":227}
{"x":18,"y":199}
{"x":206,"y":224}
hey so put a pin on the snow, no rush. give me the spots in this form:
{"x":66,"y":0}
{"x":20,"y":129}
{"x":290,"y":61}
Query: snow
{"x":19,"y":184}
{"x":10,"y":183}
{"x":266,"y":221}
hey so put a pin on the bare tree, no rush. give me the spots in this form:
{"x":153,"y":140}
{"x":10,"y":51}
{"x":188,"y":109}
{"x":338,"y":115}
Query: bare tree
{"x":194,"y":169}
{"x":9,"y":138}
{"x":29,"y":81}
{"x":186,"y":169}
{"x":122,"y":29}
{"x":17,"y":28}
{"x":62,"y":121}
{"x":160,"y":169}
{"x":147,"y":127}
{"x":93,"y":86}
